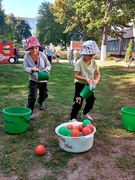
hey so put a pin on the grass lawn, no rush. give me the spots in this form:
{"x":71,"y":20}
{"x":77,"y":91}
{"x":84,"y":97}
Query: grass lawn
{"x":113,"y":153}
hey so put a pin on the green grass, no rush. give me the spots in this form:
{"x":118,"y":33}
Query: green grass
{"x":115,"y":90}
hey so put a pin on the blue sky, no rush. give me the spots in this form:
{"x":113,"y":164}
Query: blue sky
{"x":23,"y":8}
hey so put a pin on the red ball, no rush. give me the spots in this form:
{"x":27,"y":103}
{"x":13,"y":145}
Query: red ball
{"x":74,"y":127}
{"x":86,"y":131}
{"x":75,"y":133}
{"x":90,"y":126}
{"x":70,"y":126}
{"x":80,"y":127}
{"x":40,"y":150}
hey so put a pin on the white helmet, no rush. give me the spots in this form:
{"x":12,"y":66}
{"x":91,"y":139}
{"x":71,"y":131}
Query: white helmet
{"x":90,"y":47}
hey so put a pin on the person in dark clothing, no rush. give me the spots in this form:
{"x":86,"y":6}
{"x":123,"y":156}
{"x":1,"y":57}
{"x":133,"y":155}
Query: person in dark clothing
{"x":16,"y":53}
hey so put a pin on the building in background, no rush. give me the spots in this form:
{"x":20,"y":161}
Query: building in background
{"x":32,"y":23}
{"x":117,"y":46}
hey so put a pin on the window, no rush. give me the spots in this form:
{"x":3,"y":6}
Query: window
{"x":6,"y":49}
{"x":113,"y":45}
{"x":124,"y":44}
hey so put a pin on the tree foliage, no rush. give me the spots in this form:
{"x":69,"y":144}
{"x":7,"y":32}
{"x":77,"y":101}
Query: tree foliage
{"x":91,"y":16}
{"x":13,"y":29}
{"x":22,"y":30}
{"x":97,"y":18}
{"x":2,"y":23}
{"x":49,"y":31}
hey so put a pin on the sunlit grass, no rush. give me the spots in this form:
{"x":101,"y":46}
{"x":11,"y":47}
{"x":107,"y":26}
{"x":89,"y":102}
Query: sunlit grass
{"x":18,"y":151}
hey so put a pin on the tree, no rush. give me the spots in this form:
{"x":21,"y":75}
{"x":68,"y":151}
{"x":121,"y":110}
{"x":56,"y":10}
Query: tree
{"x":129,"y":51}
{"x":49,"y":31}
{"x":2,"y":24}
{"x":10,"y":27}
{"x":97,"y":18}
{"x":22,"y":30}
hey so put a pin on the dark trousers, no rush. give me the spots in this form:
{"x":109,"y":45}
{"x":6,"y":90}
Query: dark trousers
{"x":50,"y":59}
{"x":33,"y":87}
{"x":76,"y":106}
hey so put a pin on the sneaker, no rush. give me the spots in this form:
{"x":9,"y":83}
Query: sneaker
{"x":87,"y":116}
{"x":41,"y":106}
{"x":32,"y":117}
{"x":73,"y":120}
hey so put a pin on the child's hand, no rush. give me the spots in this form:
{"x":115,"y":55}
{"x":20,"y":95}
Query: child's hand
{"x":35,"y":69}
{"x":94,"y":82}
{"x":88,"y":81}
{"x":46,"y":70}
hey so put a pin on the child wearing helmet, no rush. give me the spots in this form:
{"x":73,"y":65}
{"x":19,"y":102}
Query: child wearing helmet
{"x":35,"y":61}
{"x":86,"y":73}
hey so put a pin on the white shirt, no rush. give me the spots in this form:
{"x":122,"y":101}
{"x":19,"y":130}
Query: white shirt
{"x":87,"y":71}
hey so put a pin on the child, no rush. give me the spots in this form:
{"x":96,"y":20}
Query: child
{"x":49,"y":54}
{"x":34,"y":61}
{"x":86,"y":73}
{"x":132,"y":57}
{"x":58,"y":53}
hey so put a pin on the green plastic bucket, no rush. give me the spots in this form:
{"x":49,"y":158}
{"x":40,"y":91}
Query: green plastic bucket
{"x":43,"y":76}
{"x":128,"y":118}
{"x":16,"y":119}
{"x":86,"y":92}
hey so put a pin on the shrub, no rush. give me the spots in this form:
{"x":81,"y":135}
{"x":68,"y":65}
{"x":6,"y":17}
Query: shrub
{"x":129,"y":50}
{"x":63,"y":55}
{"x":21,"y":54}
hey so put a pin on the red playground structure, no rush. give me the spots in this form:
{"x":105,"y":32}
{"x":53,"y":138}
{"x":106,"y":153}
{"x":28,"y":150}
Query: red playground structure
{"x":6,"y":52}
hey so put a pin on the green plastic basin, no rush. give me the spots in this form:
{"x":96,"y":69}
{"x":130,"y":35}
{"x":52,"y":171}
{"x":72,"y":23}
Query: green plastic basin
{"x":128,"y":118}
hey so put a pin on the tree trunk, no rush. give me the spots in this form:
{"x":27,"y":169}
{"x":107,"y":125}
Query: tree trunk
{"x":104,"y":42}
{"x":104,"y":35}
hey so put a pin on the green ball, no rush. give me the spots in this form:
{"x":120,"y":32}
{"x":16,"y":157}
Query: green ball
{"x":63,"y":131}
{"x":69,"y":135}
{"x":69,"y":131}
{"x":86,"y":121}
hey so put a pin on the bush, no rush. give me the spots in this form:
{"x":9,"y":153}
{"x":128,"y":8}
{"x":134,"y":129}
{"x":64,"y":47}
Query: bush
{"x":129,"y":51}
{"x":97,"y":57}
{"x":21,"y":54}
{"x":63,"y":55}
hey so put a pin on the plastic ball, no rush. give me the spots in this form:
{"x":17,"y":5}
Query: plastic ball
{"x":75,"y":133}
{"x":86,"y":131}
{"x":86,"y":121}
{"x":69,"y":131}
{"x":75,"y":127}
{"x":80,"y":127}
{"x":91,"y":127}
{"x":63,"y":131}
{"x":70,"y":126}
{"x":40,"y":150}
